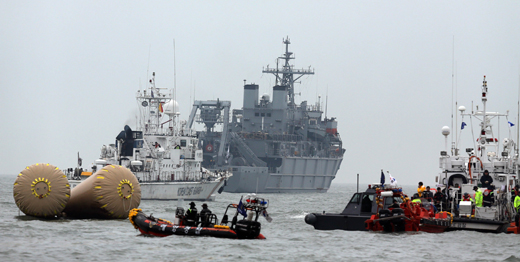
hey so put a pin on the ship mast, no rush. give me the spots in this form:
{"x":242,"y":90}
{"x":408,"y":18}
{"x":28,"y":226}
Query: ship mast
{"x":287,"y":72}
{"x":484,"y":124}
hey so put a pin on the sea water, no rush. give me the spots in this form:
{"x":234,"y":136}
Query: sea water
{"x":288,"y":237}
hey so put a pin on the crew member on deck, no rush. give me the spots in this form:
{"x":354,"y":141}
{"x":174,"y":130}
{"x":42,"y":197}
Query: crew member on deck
{"x":396,"y":205}
{"x":416,"y":198}
{"x":517,"y":204}
{"x":466,"y":197}
{"x":420,"y":189}
{"x":486,"y":179}
{"x":478,"y":197}
{"x":204,"y":215}
{"x":488,"y":197}
{"x":428,"y":194}
{"x":439,"y":199}
{"x":366,"y":204}
{"x":191,"y":215}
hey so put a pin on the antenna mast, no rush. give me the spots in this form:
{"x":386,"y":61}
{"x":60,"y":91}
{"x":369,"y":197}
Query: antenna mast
{"x":453,"y":151}
{"x":287,"y":71}
{"x":174,"y":75}
{"x":326,"y":101}
{"x":518,"y":117}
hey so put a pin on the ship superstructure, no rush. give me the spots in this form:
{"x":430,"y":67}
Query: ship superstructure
{"x":163,"y":153}
{"x":461,"y":173}
{"x":271,"y":145}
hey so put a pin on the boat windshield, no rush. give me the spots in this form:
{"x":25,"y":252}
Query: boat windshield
{"x":366,"y":203}
{"x":355,"y":198}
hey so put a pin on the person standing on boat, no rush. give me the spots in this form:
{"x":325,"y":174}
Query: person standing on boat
{"x":204,"y":215}
{"x":428,"y":194}
{"x":486,"y":180}
{"x":478,"y":197}
{"x":439,"y":199}
{"x":517,"y":205}
{"x":466,"y":197}
{"x":416,"y":198}
{"x":420,"y":189}
{"x":366,"y":204}
{"x":191,"y":215}
{"x":396,"y":205}
{"x":488,"y":198}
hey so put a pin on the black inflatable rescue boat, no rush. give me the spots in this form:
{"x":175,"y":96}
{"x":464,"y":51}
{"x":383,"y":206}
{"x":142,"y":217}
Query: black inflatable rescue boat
{"x":250,"y":207}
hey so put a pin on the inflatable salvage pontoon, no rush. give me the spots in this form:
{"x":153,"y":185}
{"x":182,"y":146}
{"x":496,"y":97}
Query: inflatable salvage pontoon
{"x":248,"y":228}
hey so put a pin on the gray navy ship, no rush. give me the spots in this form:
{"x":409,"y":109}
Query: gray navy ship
{"x":270,"y":145}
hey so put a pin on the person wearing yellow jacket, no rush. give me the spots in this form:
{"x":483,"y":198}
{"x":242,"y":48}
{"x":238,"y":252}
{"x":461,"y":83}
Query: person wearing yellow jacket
{"x":517,"y":205}
{"x":478,"y":197}
{"x":420,"y":189}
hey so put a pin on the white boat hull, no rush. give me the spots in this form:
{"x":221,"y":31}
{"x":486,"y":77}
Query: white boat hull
{"x":197,"y":191}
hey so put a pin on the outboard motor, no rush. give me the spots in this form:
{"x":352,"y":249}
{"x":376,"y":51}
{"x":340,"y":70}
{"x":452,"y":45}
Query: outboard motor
{"x":247,"y":229}
{"x":398,"y":222}
{"x":387,"y":224}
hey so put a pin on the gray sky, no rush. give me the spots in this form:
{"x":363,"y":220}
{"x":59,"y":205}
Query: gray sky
{"x":69,"y":70}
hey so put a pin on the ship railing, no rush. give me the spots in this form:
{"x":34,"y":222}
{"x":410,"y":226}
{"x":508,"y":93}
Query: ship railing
{"x":218,"y":120}
{"x":274,"y":137}
{"x":313,"y":108}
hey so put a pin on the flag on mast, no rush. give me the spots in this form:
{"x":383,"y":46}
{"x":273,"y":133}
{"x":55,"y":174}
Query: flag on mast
{"x":392,"y":179}
{"x":382,"y":179}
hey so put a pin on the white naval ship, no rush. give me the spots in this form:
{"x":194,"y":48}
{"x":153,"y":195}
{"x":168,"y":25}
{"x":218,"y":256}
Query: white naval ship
{"x":162,"y":152}
{"x":499,"y":156}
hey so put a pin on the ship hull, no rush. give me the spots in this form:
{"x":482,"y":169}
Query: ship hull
{"x":195,"y":191}
{"x":479,"y":225}
{"x":293,"y":176}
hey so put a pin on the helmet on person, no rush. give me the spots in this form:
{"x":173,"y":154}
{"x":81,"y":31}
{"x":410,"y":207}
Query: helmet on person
{"x":204,"y":205}
{"x":192,"y":204}
{"x":415,"y":195}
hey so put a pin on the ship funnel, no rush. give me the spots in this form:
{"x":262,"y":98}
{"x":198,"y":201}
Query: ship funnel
{"x":41,"y":190}
{"x":280,"y":97}
{"x":250,"y":96}
{"x":108,"y":194}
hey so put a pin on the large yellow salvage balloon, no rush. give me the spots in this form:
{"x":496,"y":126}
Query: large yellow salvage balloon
{"x":110,"y":193}
{"x":41,"y":190}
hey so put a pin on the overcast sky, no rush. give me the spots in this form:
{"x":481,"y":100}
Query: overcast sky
{"x":69,"y":70}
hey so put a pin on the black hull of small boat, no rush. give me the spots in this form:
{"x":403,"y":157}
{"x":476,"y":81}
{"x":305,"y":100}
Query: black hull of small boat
{"x":479,"y":225}
{"x":337,"y":221}
{"x":161,"y":228}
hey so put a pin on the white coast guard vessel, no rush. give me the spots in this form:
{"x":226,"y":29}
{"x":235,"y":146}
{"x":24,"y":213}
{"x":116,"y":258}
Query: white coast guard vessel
{"x":488,"y":152}
{"x":163,"y":153}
